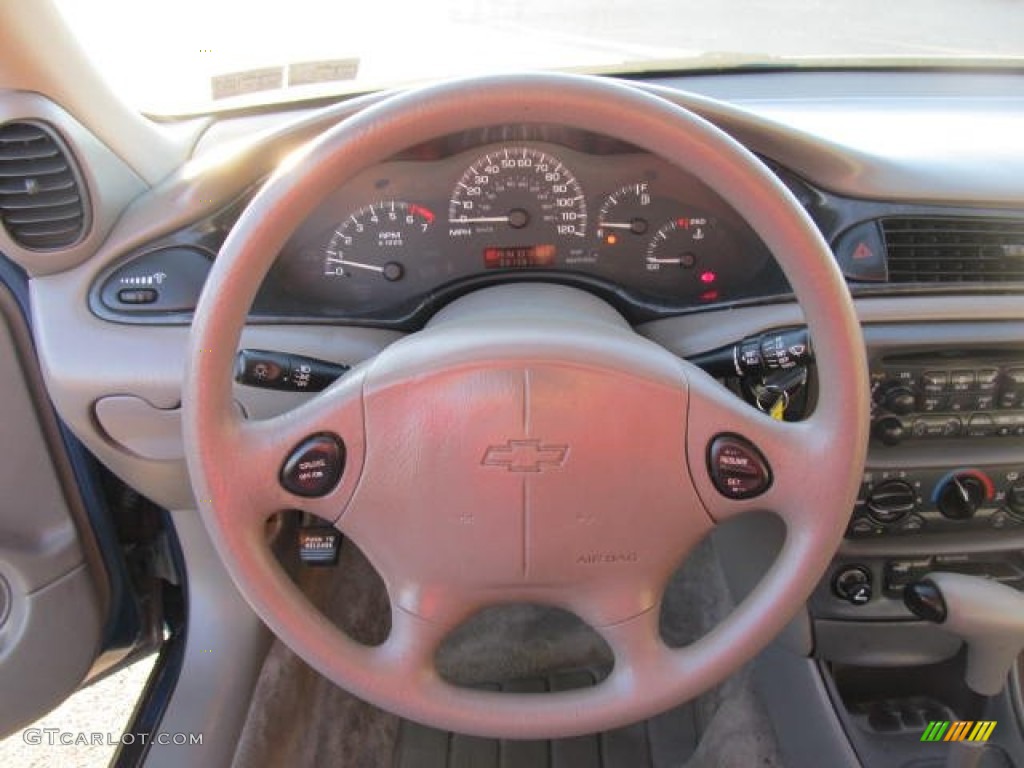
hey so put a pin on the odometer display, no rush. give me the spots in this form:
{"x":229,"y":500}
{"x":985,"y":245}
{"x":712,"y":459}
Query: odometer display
{"x":519,"y":257}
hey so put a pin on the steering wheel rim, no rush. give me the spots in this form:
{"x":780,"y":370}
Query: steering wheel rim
{"x":234,"y":465}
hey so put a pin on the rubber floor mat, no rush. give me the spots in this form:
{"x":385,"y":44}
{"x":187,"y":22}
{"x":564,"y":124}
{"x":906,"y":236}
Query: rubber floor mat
{"x":666,"y":740}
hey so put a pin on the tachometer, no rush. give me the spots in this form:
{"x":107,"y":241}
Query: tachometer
{"x":518,"y":195}
{"x":375,"y":241}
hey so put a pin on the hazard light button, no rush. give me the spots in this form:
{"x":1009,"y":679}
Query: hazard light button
{"x":860,"y":252}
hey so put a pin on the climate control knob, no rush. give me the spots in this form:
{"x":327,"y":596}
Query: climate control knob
{"x":891,"y":501}
{"x":961,"y":496}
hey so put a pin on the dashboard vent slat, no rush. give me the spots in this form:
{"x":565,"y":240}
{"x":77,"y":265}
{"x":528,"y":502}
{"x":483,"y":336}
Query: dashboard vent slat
{"x":954,"y":249}
{"x":42,"y":206}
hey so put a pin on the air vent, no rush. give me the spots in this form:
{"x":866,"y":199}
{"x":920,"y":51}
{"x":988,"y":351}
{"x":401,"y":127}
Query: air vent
{"x":41,"y":201}
{"x":954,"y":250}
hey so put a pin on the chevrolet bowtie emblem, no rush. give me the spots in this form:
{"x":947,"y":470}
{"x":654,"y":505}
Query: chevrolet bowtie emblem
{"x":525,"y":456}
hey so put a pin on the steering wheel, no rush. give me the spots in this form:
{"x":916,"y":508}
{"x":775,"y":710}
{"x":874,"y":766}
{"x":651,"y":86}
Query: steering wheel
{"x":527,"y":444}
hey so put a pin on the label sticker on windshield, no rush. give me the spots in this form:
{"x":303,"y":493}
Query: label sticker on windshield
{"x":327,"y":71}
{"x":249,"y":81}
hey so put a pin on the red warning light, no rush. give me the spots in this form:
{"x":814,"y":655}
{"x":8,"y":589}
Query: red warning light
{"x":708,"y":277}
{"x":684,"y":223}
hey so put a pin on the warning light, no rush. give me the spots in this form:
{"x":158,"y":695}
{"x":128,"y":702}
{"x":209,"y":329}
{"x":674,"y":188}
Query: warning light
{"x":708,"y":277}
{"x":684,"y":223}
{"x":611,"y":239}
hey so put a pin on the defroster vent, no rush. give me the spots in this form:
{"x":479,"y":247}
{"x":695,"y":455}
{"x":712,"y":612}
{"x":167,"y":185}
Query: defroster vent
{"x":42,"y":205}
{"x":954,"y":250}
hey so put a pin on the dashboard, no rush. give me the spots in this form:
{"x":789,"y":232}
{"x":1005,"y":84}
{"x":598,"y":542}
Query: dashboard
{"x":926,"y":223}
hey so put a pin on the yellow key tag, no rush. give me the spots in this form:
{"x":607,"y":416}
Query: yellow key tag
{"x":778,"y":411}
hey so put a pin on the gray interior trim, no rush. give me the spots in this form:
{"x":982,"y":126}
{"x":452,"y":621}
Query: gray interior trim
{"x":224,"y":651}
{"x":110,"y":184}
{"x":883,"y":643}
{"x":56,"y":586}
{"x":48,"y":528}
{"x":809,"y":732}
{"x":47,"y":646}
{"x":746,"y":548}
{"x":814,"y":124}
{"x":85,"y":359}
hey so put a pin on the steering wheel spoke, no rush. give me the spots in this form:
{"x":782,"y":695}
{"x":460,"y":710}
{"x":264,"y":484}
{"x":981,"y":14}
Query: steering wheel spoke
{"x":308,"y":458}
{"x":744,"y":460}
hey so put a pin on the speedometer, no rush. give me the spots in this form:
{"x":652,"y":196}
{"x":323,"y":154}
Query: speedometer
{"x":518,"y":196}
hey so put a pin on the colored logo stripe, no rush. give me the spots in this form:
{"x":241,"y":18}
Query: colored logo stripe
{"x":982,"y":731}
{"x":962,"y":730}
{"x":935,"y":730}
{"x":958,"y":730}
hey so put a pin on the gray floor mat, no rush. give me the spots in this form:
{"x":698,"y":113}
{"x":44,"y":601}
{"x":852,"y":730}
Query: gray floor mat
{"x":298,"y":719}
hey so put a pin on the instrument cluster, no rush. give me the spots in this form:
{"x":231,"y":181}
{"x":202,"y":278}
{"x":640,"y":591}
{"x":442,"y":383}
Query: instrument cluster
{"x":537,"y":204}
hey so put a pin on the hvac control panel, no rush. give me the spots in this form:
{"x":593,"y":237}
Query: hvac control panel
{"x":938,"y":500}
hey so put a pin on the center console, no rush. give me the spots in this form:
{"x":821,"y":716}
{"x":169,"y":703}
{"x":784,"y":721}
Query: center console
{"x":944,"y":482}
{"x":943,"y":490}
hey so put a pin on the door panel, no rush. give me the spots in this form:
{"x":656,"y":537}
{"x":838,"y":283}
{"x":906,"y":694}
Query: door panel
{"x":54,"y":590}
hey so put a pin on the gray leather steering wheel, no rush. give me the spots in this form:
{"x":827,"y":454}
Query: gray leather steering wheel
{"x":526,"y":445}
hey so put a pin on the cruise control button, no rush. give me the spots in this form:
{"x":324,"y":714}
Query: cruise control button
{"x":314,"y":466}
{"x":737,"y":468}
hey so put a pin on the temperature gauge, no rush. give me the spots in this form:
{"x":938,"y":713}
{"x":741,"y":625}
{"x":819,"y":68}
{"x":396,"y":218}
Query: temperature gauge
{"x":679,"y":243}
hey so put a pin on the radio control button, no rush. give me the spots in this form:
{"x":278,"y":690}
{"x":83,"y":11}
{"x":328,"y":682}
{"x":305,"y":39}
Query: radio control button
{"x":899,"y":399}
{"x":987,"y":379}
{"x":961,"y":381}
{"x":980,"y":425}
{"x":961,"y":403}
{"x":889,"y":430}
{"x":934,"y":382}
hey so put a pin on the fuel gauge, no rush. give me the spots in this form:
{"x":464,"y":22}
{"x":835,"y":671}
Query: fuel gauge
{"x":625,"y":214}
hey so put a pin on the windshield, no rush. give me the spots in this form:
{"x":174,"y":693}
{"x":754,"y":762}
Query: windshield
{"x":191,"y":55}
